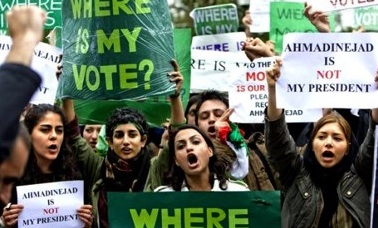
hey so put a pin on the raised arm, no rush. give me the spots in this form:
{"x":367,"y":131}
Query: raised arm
{"x":272,"y":75}
{"x":18,"y":81}
{"x":247,"y":22}
{"x":177,"y":109}
{"x":318,"y":18}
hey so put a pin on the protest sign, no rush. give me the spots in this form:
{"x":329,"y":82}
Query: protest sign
{"x":195,"y":209}
{"x":45,"y":61}
{"x":220,"y":42}
{"x":287,"y":17}
{"x":366,"y":17}
{"x":248,"y":96}
{"x":116,"y":51}
{"x":328,"y":70}
{"x":155,"y":109}
{"x":52,"y":7}
{"x":51,"y":204}
{"x":333,"y":5}
{"x":212,"y":69}
{"x":260,"y":15}
{"x":215,"y":19}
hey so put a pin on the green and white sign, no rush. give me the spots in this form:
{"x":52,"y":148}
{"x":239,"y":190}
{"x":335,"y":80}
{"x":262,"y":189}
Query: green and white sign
{"x":258,"y":209}
{"x":52,"y":7}
{"x":116,"y":50}
{"x":367,"y":17}
{"x":287,"y":17}
{"x":215,"y":19}
{"x":155,"y":109}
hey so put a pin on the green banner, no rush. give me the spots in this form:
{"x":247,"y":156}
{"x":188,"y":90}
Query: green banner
{"x":116,"y":49}
{"x":287,"y":17}
{"x":155,"y":109}
{"x":257,"y":209}
{"x":367,"y":17}
{"x":215,"y":19}
{"x":52,"y":7}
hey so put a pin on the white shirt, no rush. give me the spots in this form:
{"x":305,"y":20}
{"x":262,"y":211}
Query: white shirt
{"x":232,"y":186}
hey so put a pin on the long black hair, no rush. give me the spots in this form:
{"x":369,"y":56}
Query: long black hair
{"x":64,"y":167}
{"x":218,"y":164}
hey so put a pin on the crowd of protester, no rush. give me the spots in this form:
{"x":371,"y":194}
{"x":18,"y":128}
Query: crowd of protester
{"x":323,"y":169}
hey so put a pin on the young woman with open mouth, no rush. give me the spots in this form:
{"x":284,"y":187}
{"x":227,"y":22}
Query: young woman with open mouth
{"x":329,"y":186}
{"x":51,"y":159}
{"x":195,"y":164}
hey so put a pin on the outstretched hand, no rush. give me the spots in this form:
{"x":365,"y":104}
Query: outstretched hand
{"x":318,"y":18}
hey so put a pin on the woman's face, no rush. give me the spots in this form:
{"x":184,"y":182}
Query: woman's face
{"x":90,"y":133}
{"x":127,"y":142}
{"x":330,"y":145}
{"x":47,"y":137}
{"x":192,"y":153}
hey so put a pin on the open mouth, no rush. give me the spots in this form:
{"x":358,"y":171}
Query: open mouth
{"x":328,"y":154}
{"x":53,"y":148}
{"x":192,"y":159}
{"x":211,"y":130}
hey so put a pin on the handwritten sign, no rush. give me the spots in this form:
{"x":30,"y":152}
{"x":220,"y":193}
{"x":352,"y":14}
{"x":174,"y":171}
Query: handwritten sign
{"x":45,"y":61}
{"x":232,"y":42}
{"x":52,"y":204}
{"x":328,"y":70}
{"x":333,"y":5}
{"x":212,"y":70}
{"x":215,"y":19}
{"x":248,"y":96}
{"x":287,"y":17}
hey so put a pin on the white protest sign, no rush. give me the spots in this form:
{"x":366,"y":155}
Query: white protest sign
{"x":333,"y":5}
{"x":212,"y":69}
{"x":248,"y":95}
{"x":260,"y":13}
{"x":45,"y":61}
{"x":328,"y":70}
{"x":220,"y":42}
{"x":52,"y":204}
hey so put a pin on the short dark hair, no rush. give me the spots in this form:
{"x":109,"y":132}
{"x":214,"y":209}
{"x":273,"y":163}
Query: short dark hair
{"x":210,"y":95}
{"x":124,"y":116}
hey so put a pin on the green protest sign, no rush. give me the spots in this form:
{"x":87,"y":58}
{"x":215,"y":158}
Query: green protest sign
{"x":259,"y":209}
{"x":215,"y":19}
{"x":116,"y":50}
{"x":52,"y":7}
{"x":367,"y":17}
{"x":287,"y":17}
{"x":155,"y":109}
